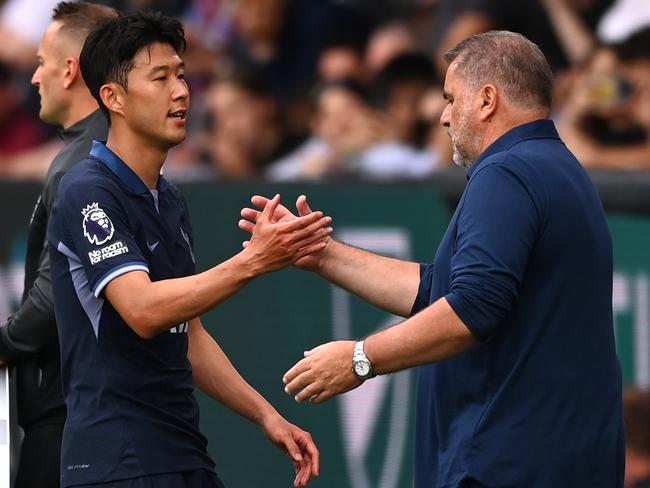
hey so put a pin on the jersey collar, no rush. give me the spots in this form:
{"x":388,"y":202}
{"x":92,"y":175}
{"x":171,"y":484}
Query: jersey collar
{"x":121,"y":169}
{"x":539,"y":129}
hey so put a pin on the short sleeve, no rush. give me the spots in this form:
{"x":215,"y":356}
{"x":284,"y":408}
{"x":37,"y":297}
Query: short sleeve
{"x":497,"y":228}
{"x":94,"y":229}
{"x":422,"y":300}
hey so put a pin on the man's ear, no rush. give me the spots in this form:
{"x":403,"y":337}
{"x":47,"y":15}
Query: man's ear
{"x":111,"y":95}
{"x":72,"y":72}
{"x":489,"y":97}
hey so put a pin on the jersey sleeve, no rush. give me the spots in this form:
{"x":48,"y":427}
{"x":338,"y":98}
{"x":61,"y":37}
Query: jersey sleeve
{"x":497,"y":229}
{"x":96,"y":230}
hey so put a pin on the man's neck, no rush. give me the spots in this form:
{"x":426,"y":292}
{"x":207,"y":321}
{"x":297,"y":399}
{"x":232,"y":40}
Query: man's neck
{"x":142,"y":157}
{"x":82,"y":107}
{"x":498,"y":127}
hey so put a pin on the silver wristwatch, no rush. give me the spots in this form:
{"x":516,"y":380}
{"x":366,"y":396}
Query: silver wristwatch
{"x":361,"y":365}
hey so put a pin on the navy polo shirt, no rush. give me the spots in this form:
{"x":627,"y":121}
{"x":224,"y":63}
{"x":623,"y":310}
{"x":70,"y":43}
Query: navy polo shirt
{"x":130,"y":405}
{"x":526,"y":263}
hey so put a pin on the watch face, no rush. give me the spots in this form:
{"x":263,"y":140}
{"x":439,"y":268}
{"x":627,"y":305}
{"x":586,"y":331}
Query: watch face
{"x":362,"y":368}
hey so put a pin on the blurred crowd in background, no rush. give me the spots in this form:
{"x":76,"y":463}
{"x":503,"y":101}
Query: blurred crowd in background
{"x":322,"y":90}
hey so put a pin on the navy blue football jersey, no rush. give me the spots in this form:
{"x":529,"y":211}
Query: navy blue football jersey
{"x":130,"y":403}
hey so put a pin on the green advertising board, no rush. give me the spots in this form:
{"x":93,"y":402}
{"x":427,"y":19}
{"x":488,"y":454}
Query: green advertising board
{"x":364,"y":436}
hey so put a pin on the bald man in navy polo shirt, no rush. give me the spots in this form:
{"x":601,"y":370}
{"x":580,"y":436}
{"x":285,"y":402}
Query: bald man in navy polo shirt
{"x":519,"y":382}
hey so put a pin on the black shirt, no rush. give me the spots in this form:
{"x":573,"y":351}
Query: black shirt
{"x":29,"y":338}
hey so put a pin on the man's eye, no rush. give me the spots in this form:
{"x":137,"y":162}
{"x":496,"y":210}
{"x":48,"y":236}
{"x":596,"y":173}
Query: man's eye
{"x":161,"y":78}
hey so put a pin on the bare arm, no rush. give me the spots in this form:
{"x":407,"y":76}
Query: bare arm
{"x":151,"y":308}
{"x":387,"y":283}
{"x":574,"y":36}
{"x":217,"y":377}
{"x":434,"y":334}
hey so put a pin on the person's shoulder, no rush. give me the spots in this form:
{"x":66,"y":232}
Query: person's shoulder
{"x":87,"y":176}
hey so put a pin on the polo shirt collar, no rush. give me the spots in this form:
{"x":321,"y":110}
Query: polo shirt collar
{"x":122,"y":170}
{"x":538,"y":129}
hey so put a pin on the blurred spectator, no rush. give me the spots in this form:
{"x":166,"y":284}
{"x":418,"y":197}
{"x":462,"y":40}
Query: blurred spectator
{"x":168,"y":7}
{"x":19,"y":131}
{"x":605,"y":120}
{"x":209,"y":26}
{"x":458,"y":19}
{"x":623,"y":19}
{"x":343,"y":55}
{"x":387,"y":42}
{"x":397,"y":90}
{"x":338,"y":133}
{"x":282,"y":38}
{"x":636,"y":414}
{"x":22,"y":23}
{"x":391,"y":138}
{"x":243,"y":132}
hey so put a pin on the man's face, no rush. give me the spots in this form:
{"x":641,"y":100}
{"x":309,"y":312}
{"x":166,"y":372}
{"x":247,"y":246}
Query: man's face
{"x":460,"y":118}
{"x":49,"y":76}
{"x":157,"y":99}
{"x":239,"y":115}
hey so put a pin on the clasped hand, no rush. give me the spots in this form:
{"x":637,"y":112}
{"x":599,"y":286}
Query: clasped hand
{"x":279,"y":238}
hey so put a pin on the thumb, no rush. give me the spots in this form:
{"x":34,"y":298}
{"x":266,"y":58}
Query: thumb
{"x":302,"y":206}
{"x":293,"y":450}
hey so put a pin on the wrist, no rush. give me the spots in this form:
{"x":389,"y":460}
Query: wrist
{"x":265,"y":415}
{"x":247,"y":265}
{"x":327,"y":256}
{"x":361,"y":364}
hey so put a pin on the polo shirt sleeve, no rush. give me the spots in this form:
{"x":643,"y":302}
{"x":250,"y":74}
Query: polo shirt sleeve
{"x":497,"y":229}
{"x":422,"y":300}
{"x":97,"y":230}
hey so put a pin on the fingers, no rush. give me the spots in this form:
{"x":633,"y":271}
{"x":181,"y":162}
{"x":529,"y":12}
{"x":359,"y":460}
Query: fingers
{"x":318,"y":226}
{"x":259,"y":201}
{"x":305,"y":385}
{"x":297,"y":369}
{"x":270,"y":208}
{"x":246,"y":225}
{"x":304,"y":221}
{"x":310,"y":249}
{"x":304,"y":472}
{"x":250,"y":214}
{"x":311,"y":456}
{"x":302,"y":206}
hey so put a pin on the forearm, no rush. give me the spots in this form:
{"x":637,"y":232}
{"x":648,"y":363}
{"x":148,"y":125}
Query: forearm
{"x":159,"y":305}
{"x":576,"y":40}
{"x":33,"y":326}
{"x":434,"y":334}
{"x":215,"y":375}
{"x":387,"y":283}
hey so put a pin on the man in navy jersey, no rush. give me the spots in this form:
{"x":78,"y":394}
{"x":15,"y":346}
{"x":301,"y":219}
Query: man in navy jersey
{"x":519,"y":384}
{"x":127,"y":298}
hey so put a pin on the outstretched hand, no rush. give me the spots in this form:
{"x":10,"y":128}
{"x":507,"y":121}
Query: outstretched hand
{"x":325,"y":371}
{"x":278,"y":213}
{"x":278,"y":240}
{"x":298,"y":445}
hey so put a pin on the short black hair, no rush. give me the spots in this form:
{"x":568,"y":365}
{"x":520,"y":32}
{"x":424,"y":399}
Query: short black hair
{"x":108,"y":53}
{"x":412,"y":68}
